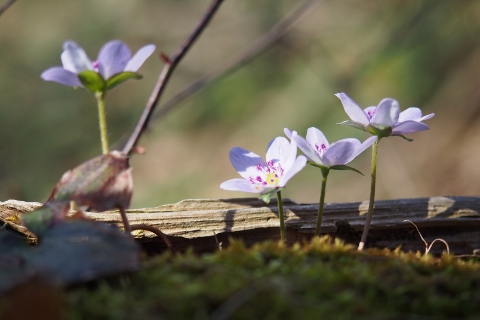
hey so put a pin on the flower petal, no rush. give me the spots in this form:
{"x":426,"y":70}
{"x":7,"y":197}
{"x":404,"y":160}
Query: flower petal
{"x":245,"y":162}
{"x":60,"y":75}
{"x":362,"y":147}
{"x":339,"y":152}
{"x":293,"y":148}
{"x":316,"y":137}
{"x":414,"y":114}
{"x":139,"y":58}
{"x":288,"y":133}
{"x":409,"y":127}
{"x":112,"y":58}
{"x":308,"y":150}
{"x":386,"y":114}
{"x":411,"y":113}
{"x":352,"y":109}
{"x":280,"y":150}
{"x":296,"y":167}
{"x":428,"y":116}
{"x":74,"y":58}
{"x":242,"y":185}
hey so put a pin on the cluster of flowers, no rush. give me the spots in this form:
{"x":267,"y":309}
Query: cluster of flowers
{"x":115,"y":64}
{"x":267,"y":178}
{"x":104,"y":182}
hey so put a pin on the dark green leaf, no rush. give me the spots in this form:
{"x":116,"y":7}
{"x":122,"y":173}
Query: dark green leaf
{"x":120,"y":78}
{"x":266,"y":197}
{"x":92,"y":81}
{"x":353,"y":125}
{"x":344,"y":167}
{"x":402,"y":136}
{"x":70,"y":252}
{"x":325,"y":170}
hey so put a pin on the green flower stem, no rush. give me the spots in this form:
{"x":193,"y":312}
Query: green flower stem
{"x":321,"y":203}
{"x":102,"y":121}
{"x":372,"y":196}
{"x":281,"y":217}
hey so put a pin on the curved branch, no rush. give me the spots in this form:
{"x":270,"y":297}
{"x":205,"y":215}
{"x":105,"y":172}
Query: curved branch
{"x":170,"y":65}
{"x":152,"y":229}
{"x":257,"y":48}
{"x":5,"y":6}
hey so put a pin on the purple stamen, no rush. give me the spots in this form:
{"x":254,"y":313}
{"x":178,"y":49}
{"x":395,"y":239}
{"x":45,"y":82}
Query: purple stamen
{"x":96,"y":65}
{"x":370,"y":114}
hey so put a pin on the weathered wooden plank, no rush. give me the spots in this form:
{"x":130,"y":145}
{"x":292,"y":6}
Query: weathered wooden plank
{"x":197,"y":222}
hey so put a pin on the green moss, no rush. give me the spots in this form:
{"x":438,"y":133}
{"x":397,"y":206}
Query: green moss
{"x":269,"y":281}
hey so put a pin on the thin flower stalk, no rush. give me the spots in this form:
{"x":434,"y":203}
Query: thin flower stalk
{"x":382,"y":121}
{"x":281,"y":217}
{"x":266,"y":178}
{"x":326,"y":156}
{"x":102,"y":121}
{"x":321,"y":203}
{"x":371,"y":203}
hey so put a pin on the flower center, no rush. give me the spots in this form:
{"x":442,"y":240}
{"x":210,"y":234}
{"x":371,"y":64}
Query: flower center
{"x":96,"y":66}
{"x":370,"y":114}
{"x":268,"y":175}
{"x":321,"y":149}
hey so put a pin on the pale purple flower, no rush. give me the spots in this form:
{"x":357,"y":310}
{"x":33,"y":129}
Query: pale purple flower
{"x":114,"y":57}
{"x":385,"y":119}
{"x":265,"y":178}
{"x":323,"y":154}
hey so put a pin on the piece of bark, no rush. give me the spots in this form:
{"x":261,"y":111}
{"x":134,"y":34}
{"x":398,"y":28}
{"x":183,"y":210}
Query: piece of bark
{"x":206,"y":224}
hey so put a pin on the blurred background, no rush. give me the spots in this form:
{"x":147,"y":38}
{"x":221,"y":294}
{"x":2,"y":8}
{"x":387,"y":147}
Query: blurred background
{"x":422,"y":53}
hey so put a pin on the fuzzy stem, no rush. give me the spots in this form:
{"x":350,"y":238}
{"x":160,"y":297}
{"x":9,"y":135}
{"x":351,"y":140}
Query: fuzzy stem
{"x":321,"y":203}
{"x":281,"y":217}
{"x":102,"y":121}
{"x":372,"y":196}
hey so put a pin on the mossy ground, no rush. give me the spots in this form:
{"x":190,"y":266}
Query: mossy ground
{"x":322,"y":279}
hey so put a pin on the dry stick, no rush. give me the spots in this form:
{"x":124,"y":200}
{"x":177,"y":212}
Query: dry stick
{"x":152,"y":229}
{"x":259,"y":46}
{"x":5,"y":6}
{"x":126,"y":224}
{"x":170,"y":65}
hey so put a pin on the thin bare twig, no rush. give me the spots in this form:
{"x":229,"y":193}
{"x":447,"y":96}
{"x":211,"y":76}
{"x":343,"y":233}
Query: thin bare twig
{"x":256,"y":49}
{"x":170,"y":65}
{"x":5,"y":6}
{"x":427,"y":245}
{"x":152,"y":229}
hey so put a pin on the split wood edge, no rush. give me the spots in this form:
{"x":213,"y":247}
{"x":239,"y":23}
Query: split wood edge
{"x":207,"y":218}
